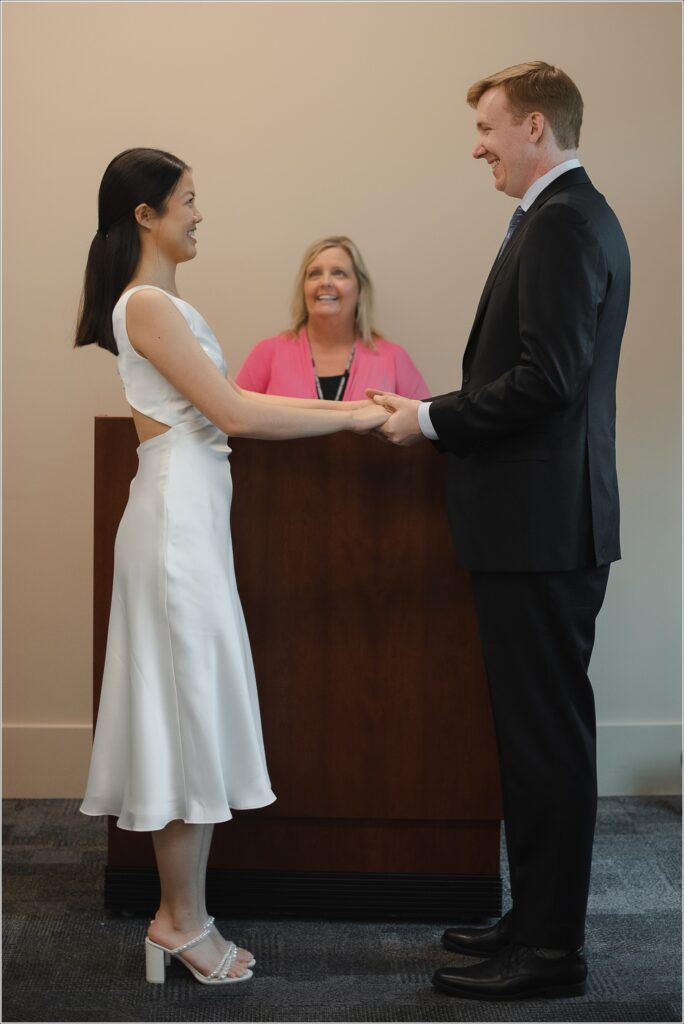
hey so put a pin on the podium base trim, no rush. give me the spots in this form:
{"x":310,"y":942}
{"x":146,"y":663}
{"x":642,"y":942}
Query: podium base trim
{"x":319,"y":894}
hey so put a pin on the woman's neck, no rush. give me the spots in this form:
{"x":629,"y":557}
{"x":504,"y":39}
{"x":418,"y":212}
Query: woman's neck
{"x":330,"y":336}
{"x":156,"y":271}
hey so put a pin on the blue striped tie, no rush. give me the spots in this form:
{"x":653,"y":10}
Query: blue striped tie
{"x":518,"y":215}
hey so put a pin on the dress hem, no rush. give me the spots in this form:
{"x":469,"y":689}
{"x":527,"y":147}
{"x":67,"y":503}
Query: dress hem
{"x":193,"y":820}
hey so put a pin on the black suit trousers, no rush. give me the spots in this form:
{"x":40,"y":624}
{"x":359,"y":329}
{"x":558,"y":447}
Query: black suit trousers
{"x":537,"y":633}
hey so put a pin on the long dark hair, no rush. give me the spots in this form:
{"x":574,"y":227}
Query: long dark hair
{"x":133,"y":177}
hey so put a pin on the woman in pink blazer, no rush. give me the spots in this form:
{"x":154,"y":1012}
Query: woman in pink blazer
{"x":332,"y":351}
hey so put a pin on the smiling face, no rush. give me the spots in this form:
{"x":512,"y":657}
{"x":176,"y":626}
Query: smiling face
{"x":175,"y":229}
{"x":330,"y":286}
{"x":509,"y":146}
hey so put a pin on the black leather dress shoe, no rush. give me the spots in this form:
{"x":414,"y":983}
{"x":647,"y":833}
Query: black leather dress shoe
{"x":479,"y":941}
{"x":515,"y":973}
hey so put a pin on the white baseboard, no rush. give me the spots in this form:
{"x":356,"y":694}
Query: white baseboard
{"x":51,"y":761}
{"x":639,"y":758}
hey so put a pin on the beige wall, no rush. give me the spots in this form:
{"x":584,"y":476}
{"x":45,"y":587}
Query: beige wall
{"x":301,"y":120}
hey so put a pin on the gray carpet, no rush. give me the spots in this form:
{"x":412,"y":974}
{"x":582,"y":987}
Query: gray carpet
{"x":65,"y":959}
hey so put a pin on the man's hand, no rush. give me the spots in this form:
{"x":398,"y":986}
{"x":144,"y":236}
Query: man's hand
{"x":402,"y":427}
{"x":368,"y":418}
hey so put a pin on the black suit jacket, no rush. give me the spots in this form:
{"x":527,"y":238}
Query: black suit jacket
{"x":531,"y":434}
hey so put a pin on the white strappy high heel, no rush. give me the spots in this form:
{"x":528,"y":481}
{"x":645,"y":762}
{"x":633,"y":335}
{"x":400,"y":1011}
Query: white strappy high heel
{"x":157,"y":959}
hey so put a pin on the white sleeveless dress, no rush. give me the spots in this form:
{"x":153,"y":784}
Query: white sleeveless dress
{"x":178,"y":732}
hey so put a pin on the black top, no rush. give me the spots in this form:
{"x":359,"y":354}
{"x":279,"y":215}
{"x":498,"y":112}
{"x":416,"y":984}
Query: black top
{"x":329,"y":386}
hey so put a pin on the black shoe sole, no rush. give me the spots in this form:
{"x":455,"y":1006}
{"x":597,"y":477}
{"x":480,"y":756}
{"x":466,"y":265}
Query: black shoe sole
{"x":553,"y":992}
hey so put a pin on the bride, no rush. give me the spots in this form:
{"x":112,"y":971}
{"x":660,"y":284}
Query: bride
{"x":178,"y":740}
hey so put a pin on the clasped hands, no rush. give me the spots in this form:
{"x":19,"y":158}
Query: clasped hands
{"x":401,"y":427}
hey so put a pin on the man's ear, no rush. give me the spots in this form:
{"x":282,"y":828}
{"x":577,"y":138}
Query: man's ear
{"x":537,"y":125}
{"x":144,"y":215}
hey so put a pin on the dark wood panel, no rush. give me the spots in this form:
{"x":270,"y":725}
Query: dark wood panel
{"x":255,"y":843}
{"x":363,"y":631}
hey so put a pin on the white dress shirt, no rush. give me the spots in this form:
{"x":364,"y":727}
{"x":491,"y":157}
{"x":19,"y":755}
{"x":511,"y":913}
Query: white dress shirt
{"x":535,"y":189}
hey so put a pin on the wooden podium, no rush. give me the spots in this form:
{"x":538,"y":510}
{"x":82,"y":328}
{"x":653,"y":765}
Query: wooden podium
{"x":376,"y":718}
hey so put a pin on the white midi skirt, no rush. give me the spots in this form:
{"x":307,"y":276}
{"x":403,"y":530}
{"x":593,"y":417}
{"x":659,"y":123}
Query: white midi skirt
{"x":178,"y":732}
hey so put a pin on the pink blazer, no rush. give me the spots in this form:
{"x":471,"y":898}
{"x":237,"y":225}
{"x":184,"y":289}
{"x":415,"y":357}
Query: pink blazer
{"x":282,"y":366}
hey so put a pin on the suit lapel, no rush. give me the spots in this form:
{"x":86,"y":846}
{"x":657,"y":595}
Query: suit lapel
{"x":499,"y":262}
{"x":577,"y":176}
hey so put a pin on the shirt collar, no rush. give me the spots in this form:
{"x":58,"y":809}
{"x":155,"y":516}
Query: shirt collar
{"x":538,"y":186}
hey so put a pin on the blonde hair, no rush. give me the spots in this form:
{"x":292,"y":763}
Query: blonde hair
{"x":538,"y":86}
{"x":363,"y":321}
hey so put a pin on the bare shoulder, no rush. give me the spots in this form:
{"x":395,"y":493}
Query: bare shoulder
{"x":152,"y":317}
{"x":151,"y":306}
{"x":149,"y":302}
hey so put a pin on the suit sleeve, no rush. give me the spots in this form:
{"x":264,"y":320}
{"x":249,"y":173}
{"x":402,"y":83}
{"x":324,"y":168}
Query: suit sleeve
{"x":559,"y":285}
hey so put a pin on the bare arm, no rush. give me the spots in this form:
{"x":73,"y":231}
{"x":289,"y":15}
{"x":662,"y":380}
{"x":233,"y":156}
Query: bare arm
{"x":158,"y":332}
{"x":300,"y":403}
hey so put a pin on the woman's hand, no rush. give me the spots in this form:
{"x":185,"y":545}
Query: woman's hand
{"x":368,"y":418}
{"x":403,"y":427}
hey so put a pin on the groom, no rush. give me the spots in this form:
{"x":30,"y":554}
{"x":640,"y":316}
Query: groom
{"x":533,"y":505}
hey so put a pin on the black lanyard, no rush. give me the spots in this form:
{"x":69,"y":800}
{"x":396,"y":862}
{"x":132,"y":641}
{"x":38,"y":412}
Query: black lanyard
{"x":343,"y":379}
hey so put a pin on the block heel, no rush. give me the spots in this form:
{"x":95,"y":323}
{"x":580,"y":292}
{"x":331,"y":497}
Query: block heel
{"x":157,"y":958}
